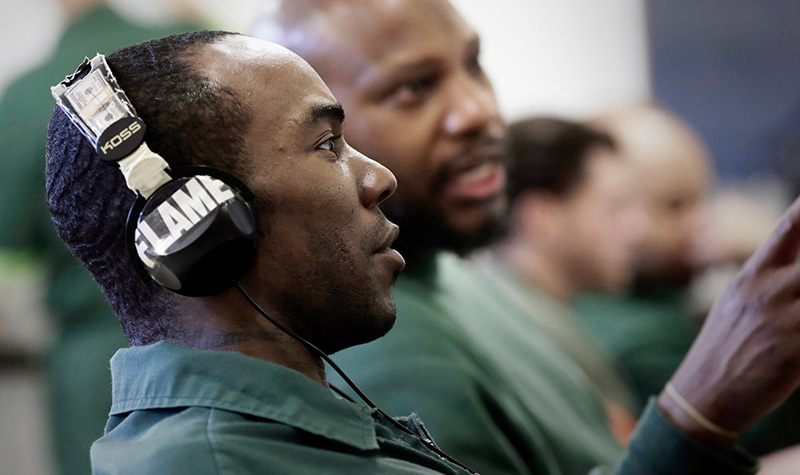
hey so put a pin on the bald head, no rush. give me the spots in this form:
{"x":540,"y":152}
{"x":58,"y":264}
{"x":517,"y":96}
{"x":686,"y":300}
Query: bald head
{"x":313,"y":28}
{"x":674,"y":168}
{"x":75,"y":8}
{"x":417,"y":100}
{"x":658,"y":142}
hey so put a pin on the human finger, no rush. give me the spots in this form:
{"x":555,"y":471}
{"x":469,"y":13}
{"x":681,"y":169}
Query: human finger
{"x":783,"y":244}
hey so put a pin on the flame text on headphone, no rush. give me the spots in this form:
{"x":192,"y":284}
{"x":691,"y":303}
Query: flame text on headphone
{"x":176,"y":216}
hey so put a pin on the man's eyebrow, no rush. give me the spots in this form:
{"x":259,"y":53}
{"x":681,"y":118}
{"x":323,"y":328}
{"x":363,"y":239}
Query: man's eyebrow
{"x":414,"y":67}
{"x":322,"y":112}
{"x":472,"y":45}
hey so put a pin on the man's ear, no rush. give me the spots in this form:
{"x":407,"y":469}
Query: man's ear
{"x":536,"y":215}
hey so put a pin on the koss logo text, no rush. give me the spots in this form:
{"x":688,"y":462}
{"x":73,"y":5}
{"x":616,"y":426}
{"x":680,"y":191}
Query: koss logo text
{"x":122,"y":136}
{"x":121,"y":139}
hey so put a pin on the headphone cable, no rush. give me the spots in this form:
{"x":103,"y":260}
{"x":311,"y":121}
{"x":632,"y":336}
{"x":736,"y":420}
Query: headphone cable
{"x":424,"y":440}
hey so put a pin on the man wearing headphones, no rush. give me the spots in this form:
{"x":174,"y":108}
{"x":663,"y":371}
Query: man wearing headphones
{"x":218,"y":382}
{"x":209,"y":385}
{"x":492,"y":389}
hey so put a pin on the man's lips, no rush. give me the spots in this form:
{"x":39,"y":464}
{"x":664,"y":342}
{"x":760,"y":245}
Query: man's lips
{"x":391,"y":235}
{"x":481,"y":179}
{"x":384,"y":249}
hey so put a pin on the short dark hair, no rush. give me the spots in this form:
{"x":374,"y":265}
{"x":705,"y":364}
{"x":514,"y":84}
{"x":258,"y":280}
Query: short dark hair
{"x":550,"y":154}
{"x":190,"y":120}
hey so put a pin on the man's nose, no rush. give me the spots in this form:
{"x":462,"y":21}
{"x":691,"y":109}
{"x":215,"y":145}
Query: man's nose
{"x":376,"y":182}
{"x":472,"y":105}
{"x":639,"y":223}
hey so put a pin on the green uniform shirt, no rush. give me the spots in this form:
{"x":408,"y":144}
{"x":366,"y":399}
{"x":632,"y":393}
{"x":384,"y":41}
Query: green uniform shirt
{"x":563,"y":327}
{"x":492,"y":391}
{"x":648,"y":334}
{"x":183,"y":411}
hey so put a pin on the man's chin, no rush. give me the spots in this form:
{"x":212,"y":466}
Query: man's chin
{"x":466,"y":241}
{"x":676,"y":277}
{"x":379,"y":327}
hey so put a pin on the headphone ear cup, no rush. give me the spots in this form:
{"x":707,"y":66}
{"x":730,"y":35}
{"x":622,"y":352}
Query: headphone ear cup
{"x":195,"y":236}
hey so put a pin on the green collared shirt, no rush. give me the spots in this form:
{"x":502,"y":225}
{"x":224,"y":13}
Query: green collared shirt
{"x":648,"y":334}
{"x":564,"y":328}
{"x":177,"y":410}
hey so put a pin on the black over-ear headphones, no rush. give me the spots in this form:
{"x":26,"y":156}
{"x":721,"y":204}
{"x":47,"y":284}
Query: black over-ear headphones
{"x":192,"y":230}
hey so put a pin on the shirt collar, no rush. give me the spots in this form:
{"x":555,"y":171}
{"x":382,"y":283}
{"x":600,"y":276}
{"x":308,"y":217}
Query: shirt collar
{"x":164,"y":375}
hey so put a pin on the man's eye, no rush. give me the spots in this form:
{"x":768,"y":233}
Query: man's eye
{"x":328,"y":145}
{"x":415,"y":90}
{"x":417,"y":85}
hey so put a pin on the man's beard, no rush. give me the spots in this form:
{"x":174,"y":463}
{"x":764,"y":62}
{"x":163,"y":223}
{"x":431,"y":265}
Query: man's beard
{"x":423,"y":231}
{"x":666,"y":279}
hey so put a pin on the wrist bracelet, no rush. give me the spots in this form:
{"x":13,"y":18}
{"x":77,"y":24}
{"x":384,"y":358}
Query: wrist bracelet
{"x":695,"y":414}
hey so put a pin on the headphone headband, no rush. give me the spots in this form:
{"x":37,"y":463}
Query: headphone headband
{"x":94,"y":101}
{"x":193,"y":232}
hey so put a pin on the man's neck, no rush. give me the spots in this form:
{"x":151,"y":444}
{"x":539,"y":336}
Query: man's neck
{"x":228,"y":323}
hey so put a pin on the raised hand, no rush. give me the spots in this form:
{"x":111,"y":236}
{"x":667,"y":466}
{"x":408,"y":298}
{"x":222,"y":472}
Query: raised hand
{"x":746,"y":359}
